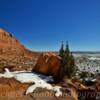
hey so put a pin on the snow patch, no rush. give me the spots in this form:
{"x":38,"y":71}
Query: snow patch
{"x":94,"y":58}
{"x":7,"y":74}
{"x":57,"y":90}
{"x":29,"y":77}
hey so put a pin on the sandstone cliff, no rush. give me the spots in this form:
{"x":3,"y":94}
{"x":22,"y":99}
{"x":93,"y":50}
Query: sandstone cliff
{"x":8,"y":40}
{"x":13,"y":53}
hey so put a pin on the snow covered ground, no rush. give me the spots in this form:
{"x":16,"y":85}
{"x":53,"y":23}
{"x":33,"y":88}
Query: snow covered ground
{"x":94,"y":58}
{"x":29,"y":77}
{"x":88,"y":63}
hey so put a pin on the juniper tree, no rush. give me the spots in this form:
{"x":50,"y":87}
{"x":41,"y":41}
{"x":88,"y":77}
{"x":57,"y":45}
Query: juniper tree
{"x":61,"y":51}
{"x":61,"y":54}
{"x":68,"y":64}
{"x":67,"y":51}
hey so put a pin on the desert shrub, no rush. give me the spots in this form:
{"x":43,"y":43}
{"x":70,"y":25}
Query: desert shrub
{"x":83,"y":74}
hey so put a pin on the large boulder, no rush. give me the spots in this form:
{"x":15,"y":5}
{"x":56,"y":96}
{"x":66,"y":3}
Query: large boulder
{"x":48,"y":64}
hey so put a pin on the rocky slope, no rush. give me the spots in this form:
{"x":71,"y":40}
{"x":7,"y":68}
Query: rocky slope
{"x":10,"y":89}
{"x":13,"y":54}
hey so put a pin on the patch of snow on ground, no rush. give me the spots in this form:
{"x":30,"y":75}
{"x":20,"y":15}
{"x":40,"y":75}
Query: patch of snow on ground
{"x":7,"y":74}
{"x":94,"y":58}
{"x":29,"y":77}
{"x":57,"y":90}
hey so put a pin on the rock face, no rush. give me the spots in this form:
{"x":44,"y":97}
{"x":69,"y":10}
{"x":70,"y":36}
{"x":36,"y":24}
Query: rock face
{"x":14,"y":54}
{"x":10,"y":89}
{"x":48,"y":64}
{"x":8,"y":40}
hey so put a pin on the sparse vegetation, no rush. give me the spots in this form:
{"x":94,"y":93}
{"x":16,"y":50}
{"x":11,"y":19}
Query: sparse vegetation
{"x":83,"y":74}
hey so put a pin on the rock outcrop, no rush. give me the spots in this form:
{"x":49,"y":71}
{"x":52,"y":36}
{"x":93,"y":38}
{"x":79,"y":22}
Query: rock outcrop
{"x":48,"y":64}
{"x":10,"y":89}
{"x":8,"y":40}
{"x":14,"y":54}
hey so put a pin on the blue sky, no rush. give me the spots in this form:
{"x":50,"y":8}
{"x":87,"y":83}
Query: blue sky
{"x":42,"y":24}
